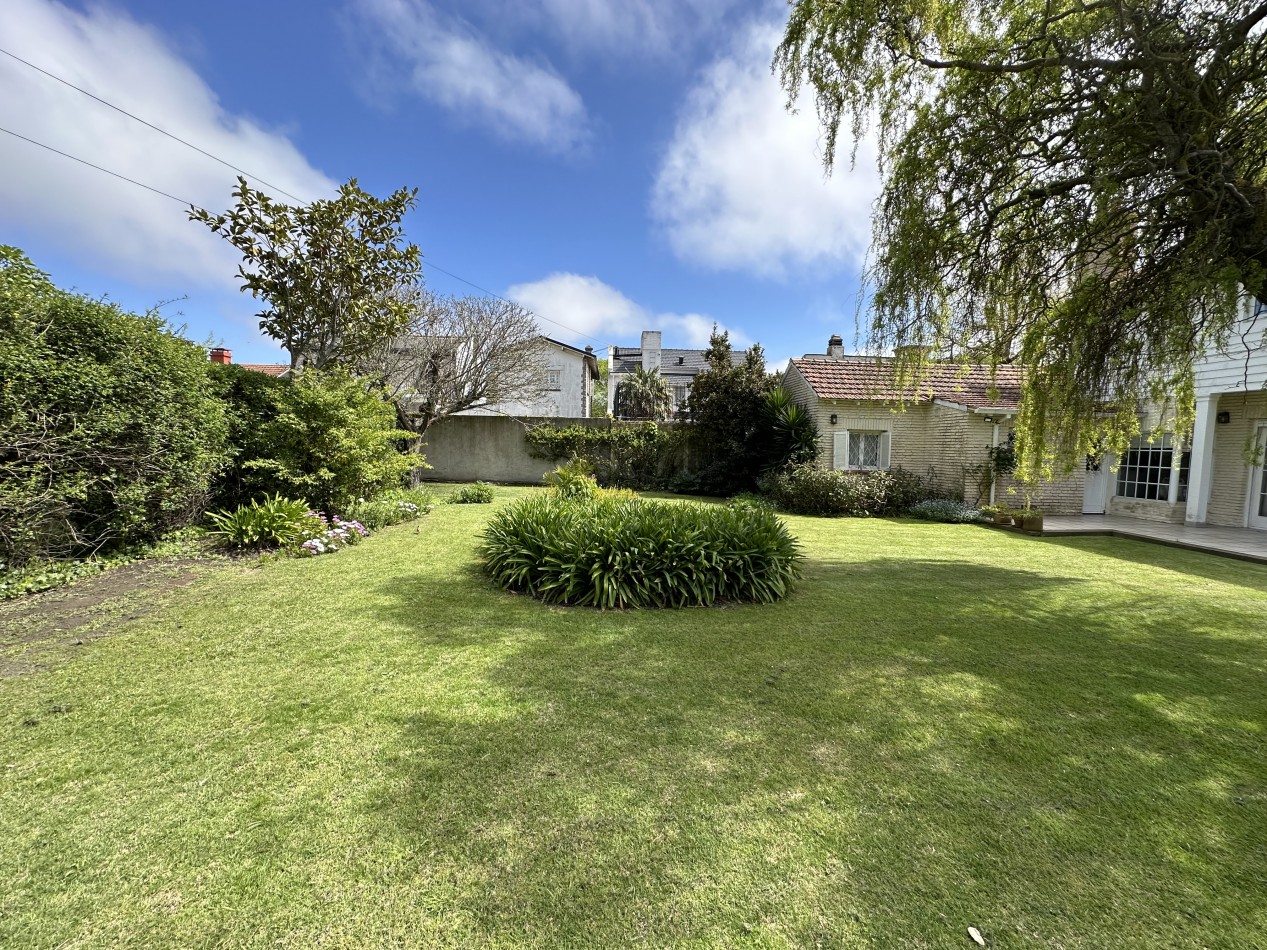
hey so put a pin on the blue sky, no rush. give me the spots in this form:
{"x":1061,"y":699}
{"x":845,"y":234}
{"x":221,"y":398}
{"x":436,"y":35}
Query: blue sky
{"x":615,"y":165}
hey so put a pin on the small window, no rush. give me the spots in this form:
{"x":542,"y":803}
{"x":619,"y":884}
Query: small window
{"x":554,"y":379}
{"x":863,"y":450}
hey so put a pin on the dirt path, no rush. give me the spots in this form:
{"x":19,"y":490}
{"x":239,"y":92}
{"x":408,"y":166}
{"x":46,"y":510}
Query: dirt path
{"x":43,"y":631}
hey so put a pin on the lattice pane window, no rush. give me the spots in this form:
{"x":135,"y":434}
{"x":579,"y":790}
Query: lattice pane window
{"x":1145,"y":470}
{"x":554,"y":378}
{"x":864,"y":449}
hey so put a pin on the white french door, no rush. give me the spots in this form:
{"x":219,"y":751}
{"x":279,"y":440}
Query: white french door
{"x":1258,"y":486}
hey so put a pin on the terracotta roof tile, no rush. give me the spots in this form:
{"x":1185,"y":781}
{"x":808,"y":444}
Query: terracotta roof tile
{"x":268,"y":369}
{"x":866,"y":378}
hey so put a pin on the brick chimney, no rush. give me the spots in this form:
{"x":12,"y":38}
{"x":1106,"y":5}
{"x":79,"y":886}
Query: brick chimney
{"x":222,"y":356}
{"x":835,"y":345}
{"x":651,"y":350}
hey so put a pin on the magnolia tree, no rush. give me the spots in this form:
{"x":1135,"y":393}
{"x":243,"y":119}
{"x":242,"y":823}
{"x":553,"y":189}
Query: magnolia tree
{"x":457,"y":353}
{"x":328,"y":271}
{"x":1080,"y":185}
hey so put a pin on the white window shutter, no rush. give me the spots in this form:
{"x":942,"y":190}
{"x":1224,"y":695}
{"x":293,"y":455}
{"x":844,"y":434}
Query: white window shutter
{"x":840,"y":450}
{"x":884,"y":450}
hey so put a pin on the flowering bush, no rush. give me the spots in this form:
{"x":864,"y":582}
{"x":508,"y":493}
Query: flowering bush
{"x":320,"y":535}
{"x":393,"y":507}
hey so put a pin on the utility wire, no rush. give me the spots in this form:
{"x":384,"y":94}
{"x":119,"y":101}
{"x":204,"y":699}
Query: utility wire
{"x":151,"y":125}
{"x":190,"y":204}
{"x":73,"y":158}
{"x":485,"y":290}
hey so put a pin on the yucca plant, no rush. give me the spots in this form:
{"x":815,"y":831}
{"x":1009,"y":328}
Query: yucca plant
{"x":271,"y":523}
{"x":618,"y":553}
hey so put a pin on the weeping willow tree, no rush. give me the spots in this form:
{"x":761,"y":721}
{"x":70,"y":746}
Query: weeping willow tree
{"x":1077,"y":185}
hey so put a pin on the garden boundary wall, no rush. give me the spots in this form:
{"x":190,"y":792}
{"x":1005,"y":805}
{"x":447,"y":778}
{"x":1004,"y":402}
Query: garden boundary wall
{"x":492,"y":448}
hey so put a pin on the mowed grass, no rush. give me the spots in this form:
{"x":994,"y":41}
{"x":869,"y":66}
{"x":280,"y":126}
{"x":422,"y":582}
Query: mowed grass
{"x":1060,"y":743}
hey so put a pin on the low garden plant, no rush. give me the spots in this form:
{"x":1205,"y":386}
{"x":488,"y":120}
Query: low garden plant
{"x":573,"y":481}
{"x":321,"y":535}
{"x":273,"y":522}
{"x":945,"y":510}
{"x":392,"y":507}
{"x":477,"y":493}
{"x":810,"y":490}
{"x":612,"y":553}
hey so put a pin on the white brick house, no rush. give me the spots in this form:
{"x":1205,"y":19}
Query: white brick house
{"x":942,"y":431}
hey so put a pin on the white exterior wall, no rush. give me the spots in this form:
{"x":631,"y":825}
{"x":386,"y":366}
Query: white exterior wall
{"x":1241,"y":365}
{"x":1230,"y":383}
{"x":571,"y":400}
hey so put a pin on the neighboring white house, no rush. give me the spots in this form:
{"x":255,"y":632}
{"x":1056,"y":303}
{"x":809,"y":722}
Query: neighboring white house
{"x":567,"y":390}
{"x":1226,"y":484}
{"x":678,"y":367}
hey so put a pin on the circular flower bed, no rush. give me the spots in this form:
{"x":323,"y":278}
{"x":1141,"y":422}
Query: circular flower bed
{"x":617,"y":553}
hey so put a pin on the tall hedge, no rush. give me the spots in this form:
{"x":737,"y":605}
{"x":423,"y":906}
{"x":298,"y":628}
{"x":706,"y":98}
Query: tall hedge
{"x":109,"y":433}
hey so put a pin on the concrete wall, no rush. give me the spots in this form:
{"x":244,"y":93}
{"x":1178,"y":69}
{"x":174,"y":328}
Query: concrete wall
{"x":491,"y":448}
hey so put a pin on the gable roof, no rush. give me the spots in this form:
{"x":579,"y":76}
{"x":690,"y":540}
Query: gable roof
{"x":268,"y":369}
{"x":871,"y":379}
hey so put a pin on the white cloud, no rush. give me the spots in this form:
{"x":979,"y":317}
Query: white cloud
{"x":587,"y":305}
{"x":444,"y":60}
{"x":741,"y":185}
{"x":623,"y":27}
{"x":101,"y":221}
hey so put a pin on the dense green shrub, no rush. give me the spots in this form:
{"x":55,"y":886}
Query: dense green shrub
{"x":618,"y":554}
{"x":573,"y":481}
{"x":943,"y":509}
{"x":810,"y":490}
{"x":628,"y":455}
{"x":319,"y":436}
{"x":271,"y":523}
{"x":477,"y":493}
{"x":392,"y":507}
{"x":730,"y":421}
{"x":109,"y":433}
{"x":749,"y":501}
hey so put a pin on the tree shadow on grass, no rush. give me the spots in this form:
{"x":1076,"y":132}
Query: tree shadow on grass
{"x":900,"y":750}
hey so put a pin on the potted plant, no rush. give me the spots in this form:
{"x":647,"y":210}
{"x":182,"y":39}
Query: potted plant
{"x":1032,"y":521}
{"x":997,"y":513}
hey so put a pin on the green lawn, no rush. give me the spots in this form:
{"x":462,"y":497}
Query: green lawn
{"x":1059,"y":742}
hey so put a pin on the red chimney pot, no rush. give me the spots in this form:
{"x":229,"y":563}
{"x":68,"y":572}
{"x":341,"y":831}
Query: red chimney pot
{"x":222,"y":356}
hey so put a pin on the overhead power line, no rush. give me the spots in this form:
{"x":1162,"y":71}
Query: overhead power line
{"x":151,"y":125}
{"x":73,"y":158}
{"x":191,"y":204}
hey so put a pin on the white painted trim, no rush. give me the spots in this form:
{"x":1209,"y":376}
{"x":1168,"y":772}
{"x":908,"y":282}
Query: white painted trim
{"x":1201,"y":466}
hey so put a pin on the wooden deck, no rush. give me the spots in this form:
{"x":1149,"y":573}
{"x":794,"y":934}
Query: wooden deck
{"x":1245,"y":544}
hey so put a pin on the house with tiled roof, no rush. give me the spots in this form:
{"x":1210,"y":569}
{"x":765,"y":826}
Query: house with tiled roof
{"x":678,"y":367}
{"x":224,"y":357}
{"x":942,"y":429}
